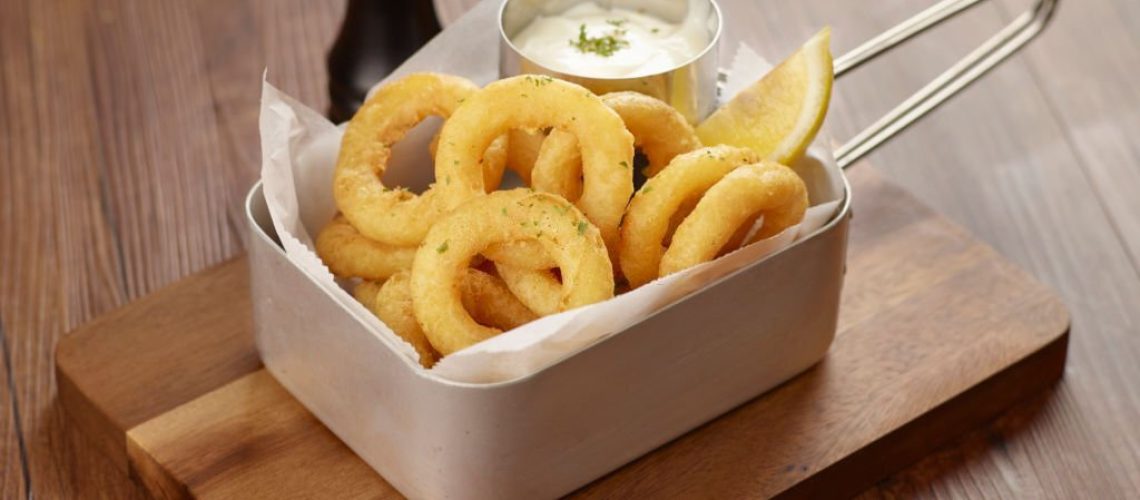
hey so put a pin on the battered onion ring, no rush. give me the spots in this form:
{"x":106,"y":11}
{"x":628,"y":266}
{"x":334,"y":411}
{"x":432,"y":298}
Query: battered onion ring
{"x":533,"y":102}
{"x":539,"y":289}
{"x":659,"y":130}
{"x":560,"y":229}
{"x":349,"y":254}
{"x":395,"y":217}
{"x":767,"y":188}
{"x":646,"y":223}
{"x":392,"y":303}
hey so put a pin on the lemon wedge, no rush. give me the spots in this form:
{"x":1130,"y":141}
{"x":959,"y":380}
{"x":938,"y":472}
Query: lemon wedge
{"x":779,"y":115}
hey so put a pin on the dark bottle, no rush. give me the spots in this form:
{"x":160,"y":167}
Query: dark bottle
{"x":375,"y":37}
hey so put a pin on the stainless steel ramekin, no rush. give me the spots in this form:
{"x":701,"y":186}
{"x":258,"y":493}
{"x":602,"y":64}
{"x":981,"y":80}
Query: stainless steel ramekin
{"x":689,"y":87}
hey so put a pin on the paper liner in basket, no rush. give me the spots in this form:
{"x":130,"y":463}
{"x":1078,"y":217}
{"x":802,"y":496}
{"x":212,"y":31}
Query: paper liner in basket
{"x":299,"y":150}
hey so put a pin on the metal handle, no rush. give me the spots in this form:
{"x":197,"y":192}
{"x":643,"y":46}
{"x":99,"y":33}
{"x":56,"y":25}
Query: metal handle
{"x":966,"y":71}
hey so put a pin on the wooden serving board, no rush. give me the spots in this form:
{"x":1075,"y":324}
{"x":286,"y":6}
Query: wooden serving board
{"x":938,"y":334}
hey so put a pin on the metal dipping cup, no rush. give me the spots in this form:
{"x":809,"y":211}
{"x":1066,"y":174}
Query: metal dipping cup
{"x":691,"y":87}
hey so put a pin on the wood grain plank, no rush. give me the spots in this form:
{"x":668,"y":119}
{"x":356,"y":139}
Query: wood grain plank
{"x":57,"y":250}
{"x":81,"y":359}
{"x":288,"y":42}
{"x":178,"y":184}
{"x":1086,"y":68}
{"x":249,"y":437}
{"x":235,"y":55}
{"x":13,"y":483}
{"x":115,"y":181}
{"x":166,"y":192}
{"x":297,"y":38}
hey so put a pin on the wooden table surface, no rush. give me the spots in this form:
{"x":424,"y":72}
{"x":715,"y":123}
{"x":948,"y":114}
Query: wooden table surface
{"x":128,"y":136}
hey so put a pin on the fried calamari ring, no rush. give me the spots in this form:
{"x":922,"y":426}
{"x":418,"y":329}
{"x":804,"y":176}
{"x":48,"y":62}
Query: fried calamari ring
{"x":539,"y":289}
{"x":659,"y":130}
{"x":490,"y":302}
{"x":534,"y":102}
{"x":558,"y":168}
{"x":349,"y":254}
{"x":646,"y":222}
{"x":392,"y":303}
{"x":523,"y":254}
{"x":522,"y":152}
{"x":556,"y":225}
{"x":394,"y":216}
{"x":768,"y":189}
{"x":485,"y":296}
{"x":494,"y":160}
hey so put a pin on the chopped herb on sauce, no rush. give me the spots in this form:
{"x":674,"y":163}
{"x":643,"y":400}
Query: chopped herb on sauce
{"x":604,"y":46}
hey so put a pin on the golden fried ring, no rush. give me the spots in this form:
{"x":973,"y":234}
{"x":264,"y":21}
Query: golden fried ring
{"x":558,"y":227}
{"x":768,"y":189}
{"x":522,"y":151}
{"x":392,"y":303}
{"x":490,"y":302}
{"x":558,"y":168}
{"x":485,"y":296}
{"x":659,"y":130}
{"x":350,"y":254}
{"x":538,"y":289}
{"x":646,"y":223}
{"x":494,"y":160}
{"x":393,"y":216}
{"x":522,"y":254}
{"x":533,"y":102}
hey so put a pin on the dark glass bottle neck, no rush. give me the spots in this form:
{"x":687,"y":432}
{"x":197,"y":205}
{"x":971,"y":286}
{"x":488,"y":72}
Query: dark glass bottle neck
{"x":375,"y":37}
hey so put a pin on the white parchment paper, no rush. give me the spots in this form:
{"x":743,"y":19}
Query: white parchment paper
{"x":299,"y":150}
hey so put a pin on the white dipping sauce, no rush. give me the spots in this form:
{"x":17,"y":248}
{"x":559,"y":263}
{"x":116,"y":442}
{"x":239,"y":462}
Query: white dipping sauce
{"x":615,"y":43}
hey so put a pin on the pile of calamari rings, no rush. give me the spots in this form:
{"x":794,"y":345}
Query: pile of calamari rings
{"x":464,"y":260}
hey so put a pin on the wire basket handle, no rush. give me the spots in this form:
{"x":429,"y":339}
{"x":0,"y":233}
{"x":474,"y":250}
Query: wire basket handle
{"x":989,"y":55}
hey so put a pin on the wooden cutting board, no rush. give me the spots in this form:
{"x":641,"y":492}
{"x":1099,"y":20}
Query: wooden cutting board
{"x":938,"y":334}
